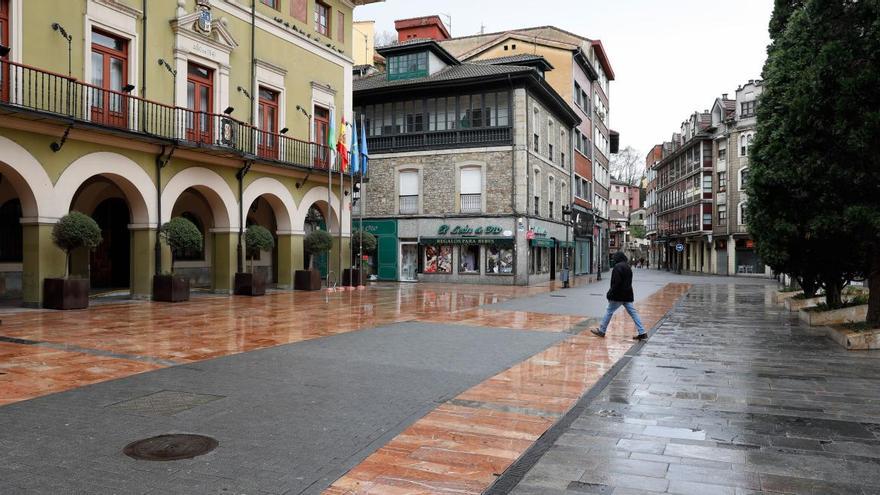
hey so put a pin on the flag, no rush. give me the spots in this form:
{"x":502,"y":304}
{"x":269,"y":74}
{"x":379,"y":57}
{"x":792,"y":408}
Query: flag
{"x":355,"y":158}
{"x":342,"y":146}
{"x":365,"y":155}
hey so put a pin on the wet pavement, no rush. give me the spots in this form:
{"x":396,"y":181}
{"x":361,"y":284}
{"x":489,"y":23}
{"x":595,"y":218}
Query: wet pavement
{"x":731,"y":396}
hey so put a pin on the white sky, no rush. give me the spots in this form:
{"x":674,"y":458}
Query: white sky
{"x":670,"y":57}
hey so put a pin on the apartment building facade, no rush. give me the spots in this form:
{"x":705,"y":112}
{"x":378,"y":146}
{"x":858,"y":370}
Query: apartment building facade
{"x":470,"y":167}
{"x":218,"y":112}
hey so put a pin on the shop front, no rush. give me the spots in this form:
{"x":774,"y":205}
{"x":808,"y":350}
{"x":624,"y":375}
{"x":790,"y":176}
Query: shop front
{"x":480,"y":251}
{"x":383,"y":263}
{"x":583,"y":240}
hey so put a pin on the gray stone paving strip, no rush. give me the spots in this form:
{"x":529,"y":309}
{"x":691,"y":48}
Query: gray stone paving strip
{"x":86,"y":350}
{"x":514,"y":474}
{"x":475,"y":404}
{"x":289,"y":419}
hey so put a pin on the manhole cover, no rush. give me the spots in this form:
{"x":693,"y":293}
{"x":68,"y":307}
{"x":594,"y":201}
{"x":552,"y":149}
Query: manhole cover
{"x":170,"y":447}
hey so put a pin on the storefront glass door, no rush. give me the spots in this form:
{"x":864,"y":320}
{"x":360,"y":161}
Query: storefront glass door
{"x":409,"y":262}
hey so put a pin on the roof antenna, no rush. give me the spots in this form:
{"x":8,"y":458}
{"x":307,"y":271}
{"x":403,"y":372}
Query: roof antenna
{"x":448,"y":22}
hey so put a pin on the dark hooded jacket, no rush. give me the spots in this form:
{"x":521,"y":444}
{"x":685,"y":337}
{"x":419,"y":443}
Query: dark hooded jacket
{"x":621,"y":280}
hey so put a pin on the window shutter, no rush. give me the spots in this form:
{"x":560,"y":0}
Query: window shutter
{"x":409,"y":183}
{"x":340,"y":27}
{"x":299,"y":10}
{"x":471,"y":181}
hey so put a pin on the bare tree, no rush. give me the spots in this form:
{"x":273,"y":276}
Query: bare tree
{"x":384,"y":38}
{"x":627,"y":166}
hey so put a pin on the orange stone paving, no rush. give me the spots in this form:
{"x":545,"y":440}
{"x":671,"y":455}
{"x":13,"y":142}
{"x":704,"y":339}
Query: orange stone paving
{"x":155,"y":335}
{"x":463,"y":445}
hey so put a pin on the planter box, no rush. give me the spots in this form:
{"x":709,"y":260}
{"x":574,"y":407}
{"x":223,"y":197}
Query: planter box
{"x":350,"y":277}
{"x":250,"y":284}
{"x":307,"y":280}
{"x":782,"y":296}
{"x":793,"y":304}
{"x":66,"y":293}
{"x":834,"y":316}
{"x":856,"y":341}
{"x":170,"y":288}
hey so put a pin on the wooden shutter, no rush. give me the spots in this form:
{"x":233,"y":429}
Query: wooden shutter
{"x":299,"y":10}
{"x":340,"y":27}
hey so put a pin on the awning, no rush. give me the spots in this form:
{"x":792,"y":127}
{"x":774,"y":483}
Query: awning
{"x":466,"y":241}
{"x":566,"y":244}
{"x":543,"y":242}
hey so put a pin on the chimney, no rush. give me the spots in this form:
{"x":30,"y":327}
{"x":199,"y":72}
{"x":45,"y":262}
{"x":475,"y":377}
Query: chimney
{"x":724,"y":96}
{"x":751,"y":81}
{"x":428,"y":27}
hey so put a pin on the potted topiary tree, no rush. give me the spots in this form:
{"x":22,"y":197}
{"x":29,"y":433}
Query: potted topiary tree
{"x":314,"y":244}
{"x":361,"y":242}
{"x":257,"y":238}
{"x":180,"y":234}
{"x":74,"y":230}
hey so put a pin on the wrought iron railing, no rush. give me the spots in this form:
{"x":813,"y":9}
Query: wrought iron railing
{"x":32,"y":89}
{"x":471,"y":203}
{"x":409,"y":205}
{"x":441,"y":139}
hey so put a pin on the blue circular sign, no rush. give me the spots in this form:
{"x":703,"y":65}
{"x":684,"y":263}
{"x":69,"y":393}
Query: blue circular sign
{"x":679,"y":247}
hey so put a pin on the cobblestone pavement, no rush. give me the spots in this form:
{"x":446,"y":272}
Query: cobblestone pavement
{"x":731,"y":396}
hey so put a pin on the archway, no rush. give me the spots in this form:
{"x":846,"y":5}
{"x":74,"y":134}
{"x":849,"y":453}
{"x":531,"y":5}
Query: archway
{"x":11,"y":244}
{"x":261,"y":213}
{"x":196,"y":264}
{"x":270,"y":204}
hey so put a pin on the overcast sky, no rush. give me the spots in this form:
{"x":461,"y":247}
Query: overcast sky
{"x":670,"y":57}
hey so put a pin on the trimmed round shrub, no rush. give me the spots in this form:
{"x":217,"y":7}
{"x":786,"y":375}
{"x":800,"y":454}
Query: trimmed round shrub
{"x":366,"y":239}
{"x":258,"y":238}
{"x":180,"y":234}
{"x":317,"y":242}
{"x":75,"y":230}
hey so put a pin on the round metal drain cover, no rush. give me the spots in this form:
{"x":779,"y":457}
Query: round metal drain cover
{"x":170,"y":447}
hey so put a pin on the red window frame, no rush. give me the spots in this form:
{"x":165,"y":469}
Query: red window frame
{"x":322,"y":10}
{"x":322,"y":131}
{"x":4,"y":40}
{"x":199,"y":122}
{"x":267,"y":117}
{"x":109,"y":105}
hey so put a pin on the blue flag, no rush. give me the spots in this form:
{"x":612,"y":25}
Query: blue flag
{"x":365,"y":155}
{"x":355,"y":156}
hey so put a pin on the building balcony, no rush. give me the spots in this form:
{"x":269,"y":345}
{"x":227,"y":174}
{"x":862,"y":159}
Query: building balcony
{"x":409,"y":205}
{"x":38,"y":94}
{"x":457,"y":138}
{"x":471,"y":203}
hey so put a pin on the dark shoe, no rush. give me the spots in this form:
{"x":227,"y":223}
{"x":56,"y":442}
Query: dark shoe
{"x":597,"y":333}
{"x":641,"y":336}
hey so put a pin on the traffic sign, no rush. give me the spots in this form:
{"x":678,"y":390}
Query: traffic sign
{"x":679,"y":247}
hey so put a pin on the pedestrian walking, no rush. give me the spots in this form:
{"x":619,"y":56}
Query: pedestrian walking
{"x":621,"y":294}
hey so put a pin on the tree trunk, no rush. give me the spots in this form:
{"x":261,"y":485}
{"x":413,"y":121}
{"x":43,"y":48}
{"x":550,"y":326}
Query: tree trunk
{"x":833,"y":289}
{"x":66,"y":263}
{"x":873,"y":318}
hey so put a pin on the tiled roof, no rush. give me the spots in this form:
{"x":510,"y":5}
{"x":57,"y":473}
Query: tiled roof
{"x":451,"y":73}
{"x":512,"y":59}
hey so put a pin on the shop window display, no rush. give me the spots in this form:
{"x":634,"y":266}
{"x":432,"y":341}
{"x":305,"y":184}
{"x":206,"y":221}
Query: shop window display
{"x":469,"y":259}
{"x":499,"y":260}
{"x":438,"y":259}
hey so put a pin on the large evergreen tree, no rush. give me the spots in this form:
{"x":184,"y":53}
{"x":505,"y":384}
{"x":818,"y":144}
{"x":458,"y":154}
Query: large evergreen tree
{"x":814,"y":187}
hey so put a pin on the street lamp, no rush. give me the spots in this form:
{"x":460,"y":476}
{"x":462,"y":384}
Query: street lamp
{"x":566,"y":217}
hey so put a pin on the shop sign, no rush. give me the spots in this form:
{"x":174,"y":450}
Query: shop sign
{"x":464,"y":241}
{"x":468,"y":231}
{"x":544,"y":243}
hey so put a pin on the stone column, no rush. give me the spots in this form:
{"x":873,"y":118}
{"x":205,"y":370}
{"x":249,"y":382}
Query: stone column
{"x":224,"y":262}
{"x":143,"y":261}
{"x":40,"y":259}
{"x":731,"y":256}
{"x":290,"y":257}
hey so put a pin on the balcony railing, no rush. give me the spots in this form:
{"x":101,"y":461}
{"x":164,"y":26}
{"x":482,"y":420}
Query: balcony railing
{"x":409,"y":205}
{"x":31,"y":89}
{"x":456,"y":138}
{"x":471,"y":203}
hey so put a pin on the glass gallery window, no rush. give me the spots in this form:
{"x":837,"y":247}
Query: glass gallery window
{"x":408,"y":66}
{"x":437,"y":114}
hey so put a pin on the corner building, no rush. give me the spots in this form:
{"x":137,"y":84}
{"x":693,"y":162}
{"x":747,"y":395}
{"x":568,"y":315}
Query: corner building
{"x":216,"y":111}
{"x":470,"y":166}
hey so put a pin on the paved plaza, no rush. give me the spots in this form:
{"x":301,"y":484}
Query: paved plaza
{"x":441,"y":389}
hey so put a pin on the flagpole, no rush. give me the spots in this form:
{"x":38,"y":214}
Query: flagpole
{"x":341,"y":212}
{"x":363,"y":198}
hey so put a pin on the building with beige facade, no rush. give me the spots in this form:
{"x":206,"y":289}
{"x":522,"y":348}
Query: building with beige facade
{"x":134,"y":112}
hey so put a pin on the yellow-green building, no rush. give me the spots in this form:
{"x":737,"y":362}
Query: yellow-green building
{"x":137,"y":111}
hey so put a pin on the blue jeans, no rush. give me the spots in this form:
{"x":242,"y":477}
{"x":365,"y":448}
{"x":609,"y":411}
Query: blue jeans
{"x":614,"y":306}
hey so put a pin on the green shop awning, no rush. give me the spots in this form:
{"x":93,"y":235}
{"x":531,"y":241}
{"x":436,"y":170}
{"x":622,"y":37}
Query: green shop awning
{"x":467,"y":241}
{"x":566,"y":244}
{"x":543,"y":243}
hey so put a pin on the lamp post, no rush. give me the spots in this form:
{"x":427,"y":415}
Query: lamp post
{"x":598,"y":247}
{"x":566,"y":217}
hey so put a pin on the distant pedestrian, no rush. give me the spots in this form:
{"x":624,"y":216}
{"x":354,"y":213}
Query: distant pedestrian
{"x":621,"y":294}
